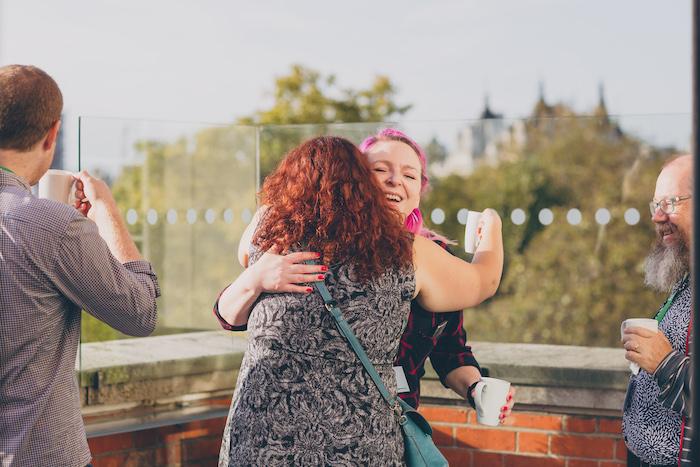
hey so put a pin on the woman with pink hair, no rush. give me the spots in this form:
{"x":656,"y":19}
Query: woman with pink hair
{"x":390,"y":143}
{"x":400,"y":165}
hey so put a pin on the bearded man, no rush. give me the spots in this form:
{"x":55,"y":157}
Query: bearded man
{"x":656,"y":423}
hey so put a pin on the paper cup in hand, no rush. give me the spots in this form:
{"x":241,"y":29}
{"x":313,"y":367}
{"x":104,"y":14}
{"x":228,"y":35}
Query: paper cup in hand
{"x":57,"y":185}
{"x":646,"y":323}
{"x":490,"y":395}
{"x":471,"y":238}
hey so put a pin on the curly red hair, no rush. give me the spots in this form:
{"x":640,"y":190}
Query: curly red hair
{"x":323,"y":197}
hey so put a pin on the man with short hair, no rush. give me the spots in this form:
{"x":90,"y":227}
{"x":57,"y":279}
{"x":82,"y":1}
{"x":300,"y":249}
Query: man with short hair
{"x":54,"y":261}
{"x":656,"y":423}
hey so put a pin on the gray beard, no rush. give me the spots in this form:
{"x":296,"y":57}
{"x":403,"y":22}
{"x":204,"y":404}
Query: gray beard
{"x":666,"y":265}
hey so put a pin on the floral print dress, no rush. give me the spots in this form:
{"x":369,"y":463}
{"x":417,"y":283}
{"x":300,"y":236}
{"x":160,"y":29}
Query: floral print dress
{"x":302,"y":396}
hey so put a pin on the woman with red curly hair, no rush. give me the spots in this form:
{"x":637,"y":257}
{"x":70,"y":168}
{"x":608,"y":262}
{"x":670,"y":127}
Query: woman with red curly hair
{"x":302,"y":397}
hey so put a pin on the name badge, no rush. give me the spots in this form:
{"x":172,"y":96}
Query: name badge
{"x":401,"y":383}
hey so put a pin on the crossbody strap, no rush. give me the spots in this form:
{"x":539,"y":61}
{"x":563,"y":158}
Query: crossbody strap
{"x":346,"y":331}
{"x":669,"y":301}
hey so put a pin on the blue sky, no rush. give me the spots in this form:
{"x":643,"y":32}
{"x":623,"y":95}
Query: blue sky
{"x":214,"y":60}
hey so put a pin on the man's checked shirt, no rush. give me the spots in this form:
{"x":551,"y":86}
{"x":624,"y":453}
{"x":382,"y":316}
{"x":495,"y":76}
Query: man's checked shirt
{"x":53,"y":263}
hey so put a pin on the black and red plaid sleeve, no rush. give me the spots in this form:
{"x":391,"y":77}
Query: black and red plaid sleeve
{"x":451,"y":350}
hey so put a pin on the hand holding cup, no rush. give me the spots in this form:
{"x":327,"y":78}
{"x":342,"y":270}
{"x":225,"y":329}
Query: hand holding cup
{"x":645,"y":346}
{"x":478,"y":226}
{"x":91,"y":191}
{"x":644,"y":323}
{"x":490,"y":397}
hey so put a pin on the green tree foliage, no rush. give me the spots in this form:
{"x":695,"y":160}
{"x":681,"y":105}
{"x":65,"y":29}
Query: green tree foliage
{"x":304,"y":96}
{"x":563,"y":283}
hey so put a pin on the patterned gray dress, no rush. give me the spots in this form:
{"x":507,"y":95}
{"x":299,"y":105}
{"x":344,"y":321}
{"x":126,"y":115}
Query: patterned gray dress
{"x":302,"y":396}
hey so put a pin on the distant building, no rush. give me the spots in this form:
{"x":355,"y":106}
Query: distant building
{"x":492,"y":140}
{"x":601,"y":112}
{"x":486,"y":141}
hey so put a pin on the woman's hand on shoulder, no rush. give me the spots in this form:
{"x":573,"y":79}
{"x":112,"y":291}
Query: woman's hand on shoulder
{"x":277,"y":273}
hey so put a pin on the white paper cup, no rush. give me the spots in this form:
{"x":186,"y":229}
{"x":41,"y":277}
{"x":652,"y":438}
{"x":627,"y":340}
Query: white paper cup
{"x":490,"y":396}
{"x":57,"y":185}
{"x":471,"y":239}
{"x":646,"y":323}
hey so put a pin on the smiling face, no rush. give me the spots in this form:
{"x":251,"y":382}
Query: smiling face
{"x":669,"y":259}
{"x":674,"y":180}
{"x":398,"y":170}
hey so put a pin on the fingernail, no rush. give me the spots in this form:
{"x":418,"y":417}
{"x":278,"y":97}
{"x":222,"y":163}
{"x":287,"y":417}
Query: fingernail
{"x":321,"y":276}
{"x":505,"y":407}
{"x":510,"y":397}
{"x":309,"y":290}
{"x":318,"y":255}
{"x":324,"y":268}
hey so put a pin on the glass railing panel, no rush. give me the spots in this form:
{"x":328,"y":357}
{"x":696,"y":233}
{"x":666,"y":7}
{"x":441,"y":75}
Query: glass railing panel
{"x":572,"y":193}
{"x":187,"y":191}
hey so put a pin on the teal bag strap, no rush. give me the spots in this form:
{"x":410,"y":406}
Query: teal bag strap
{"x":420,"y":450}
{"x":346,"y":331}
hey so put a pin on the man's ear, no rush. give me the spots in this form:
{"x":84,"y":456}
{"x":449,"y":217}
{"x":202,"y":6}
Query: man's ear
{"x":51,"y":136}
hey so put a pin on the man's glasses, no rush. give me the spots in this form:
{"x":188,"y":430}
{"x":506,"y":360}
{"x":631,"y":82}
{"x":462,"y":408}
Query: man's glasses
{"x":667,"y":205}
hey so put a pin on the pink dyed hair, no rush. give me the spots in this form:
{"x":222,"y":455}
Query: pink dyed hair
{"x":414,"y":221}
{"x":392,"y":134}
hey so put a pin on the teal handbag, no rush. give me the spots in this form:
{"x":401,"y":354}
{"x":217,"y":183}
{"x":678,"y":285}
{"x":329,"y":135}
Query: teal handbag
{"x":419,"y":448}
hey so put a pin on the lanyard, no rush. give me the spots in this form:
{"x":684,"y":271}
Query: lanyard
{"x":664,"y":309}
{"x":6,"y":169}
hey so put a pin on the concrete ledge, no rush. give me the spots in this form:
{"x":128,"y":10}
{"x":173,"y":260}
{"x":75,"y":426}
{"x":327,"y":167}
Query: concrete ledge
{"x":131,"y":360}
{"x":151,"y":369}
{"x":160,"y":371}
{"x":554,"y":378}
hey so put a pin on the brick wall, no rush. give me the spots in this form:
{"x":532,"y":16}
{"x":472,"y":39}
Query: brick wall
{"x":194,"y":444}
{"x":528,"y":439}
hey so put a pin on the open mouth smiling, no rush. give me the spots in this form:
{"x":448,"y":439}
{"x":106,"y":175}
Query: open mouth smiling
{"x":393,"y":197}
{"x":667,"y":232}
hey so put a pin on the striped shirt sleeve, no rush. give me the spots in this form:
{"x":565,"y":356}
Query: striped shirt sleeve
{"x":674,"y":378}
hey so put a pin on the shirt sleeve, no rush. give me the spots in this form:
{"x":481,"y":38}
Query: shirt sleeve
{"x":451,"y":350}
{"x":674,"y":378}
{"x":224,"y":324}
{"x":121,"y":295}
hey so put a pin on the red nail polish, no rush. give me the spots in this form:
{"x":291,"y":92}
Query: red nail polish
{"x":321,"y":276}
{"x":324,"y":268}
{"x":309,"y":290}
{"x":318,"y":255}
